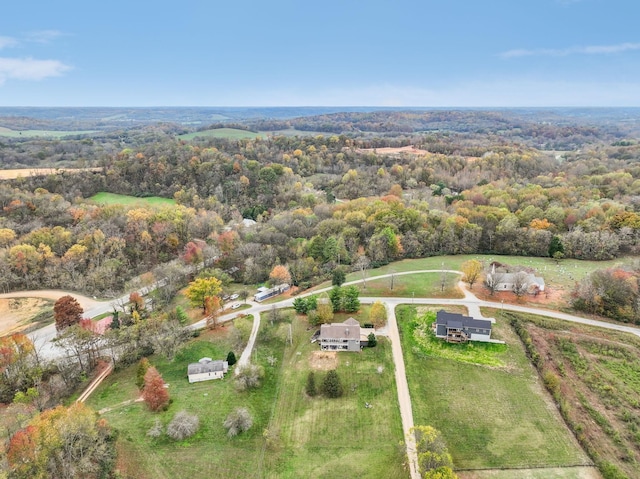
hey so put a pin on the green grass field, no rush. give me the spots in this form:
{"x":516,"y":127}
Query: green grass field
{"x":319,"y":436}
{"x":409,"y":285}
{"x":42,"y":133}
{"x":209,"y":453}
{"x":310,"y":437}
{"x":231,"y":133}
{"x":490,"y":417}
{"x":562,"y":275}
{"x":105,"y":198}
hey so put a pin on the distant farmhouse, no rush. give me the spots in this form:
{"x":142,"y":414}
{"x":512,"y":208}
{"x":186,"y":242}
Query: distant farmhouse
{"x":207,"y":369}
{"x":456,"y":328}
{"x":521,"y":280}
{"x":347,"y":336}
{"x":266,"y":293}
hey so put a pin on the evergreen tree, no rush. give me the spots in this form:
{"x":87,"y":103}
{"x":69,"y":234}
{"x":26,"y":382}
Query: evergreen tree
{"x":331,"y":386}
{"x":556,"y":248}
{"x":231,"y":358}
{"x":350,"y":301}
{"x":143,"y":365}
{"x":372,"y":340}
{"x":311,"y":384}
{"x":338,"y":277}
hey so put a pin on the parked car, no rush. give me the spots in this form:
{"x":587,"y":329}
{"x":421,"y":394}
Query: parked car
{"x":235,"y":305}
{"x":234,"y":296}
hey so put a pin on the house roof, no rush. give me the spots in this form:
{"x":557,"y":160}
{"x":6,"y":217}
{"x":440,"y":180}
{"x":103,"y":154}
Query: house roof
{"x":458,"y":321}
{"x":350,"y":329}
{"x":206,"y":365}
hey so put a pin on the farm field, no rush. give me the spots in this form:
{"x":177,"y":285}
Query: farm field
{"x":115,"y":199}
{"x":595,"y":376}
{"x":493,"y":416}
{"x":318,"y":436}
{"x":12,"y":174}
{"x":42,"y":133}
{"x":231,"y":133}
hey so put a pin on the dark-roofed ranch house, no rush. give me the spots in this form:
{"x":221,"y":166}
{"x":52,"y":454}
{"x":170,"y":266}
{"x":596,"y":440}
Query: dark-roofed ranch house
{"x":457,"y":328}
{"x":207,"y":369}
{"x":347,"y":336}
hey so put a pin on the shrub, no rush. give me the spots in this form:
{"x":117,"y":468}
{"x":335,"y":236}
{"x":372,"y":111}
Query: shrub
{"x":249,"y":377}
{"x":156,"y":430}
{"x":238,"y":421}
{"x":183,"y":425}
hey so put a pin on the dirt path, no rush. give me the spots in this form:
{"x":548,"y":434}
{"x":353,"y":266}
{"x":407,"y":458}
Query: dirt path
{"x":402,"y":386}
{"x":53,"y":294}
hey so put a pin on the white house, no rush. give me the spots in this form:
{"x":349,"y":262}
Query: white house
{"x":206,"y":369}
{"x":528,"y":282}
{"x":266,"y":293}
{"x":347,"y":336}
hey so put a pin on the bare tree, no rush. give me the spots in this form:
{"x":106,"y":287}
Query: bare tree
{"x":362,"y":264}
{"x":492,"y":280}
{"x":238,"y":421}
{"x":248,"y":377}
{"x":520,"y":283}
{"x":183,"y":425}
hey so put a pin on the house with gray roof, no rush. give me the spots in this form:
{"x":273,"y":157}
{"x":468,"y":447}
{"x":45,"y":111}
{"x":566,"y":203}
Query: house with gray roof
{"x":457,"y":328}
{"x":347,"y":336}
{"x":520,"y":280}
{"x":206,"y":369}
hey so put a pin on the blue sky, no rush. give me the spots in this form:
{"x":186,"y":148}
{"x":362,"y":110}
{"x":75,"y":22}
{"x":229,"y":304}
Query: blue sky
{"x":437,"y":53}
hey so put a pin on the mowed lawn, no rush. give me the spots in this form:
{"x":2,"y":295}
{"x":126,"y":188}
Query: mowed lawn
{"x":231,"y":133}
{"x":210,"y":453}
{"x":326,"y":438}
{"x":558,"y":275}
{"x":417,"y":285}
{"x":105,"y":198}
{"x":490,"y":417}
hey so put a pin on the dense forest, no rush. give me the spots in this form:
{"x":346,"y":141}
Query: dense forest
{"x":373,"y":188}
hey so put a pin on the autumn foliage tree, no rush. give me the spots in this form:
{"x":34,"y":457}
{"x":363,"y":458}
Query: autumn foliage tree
{"x":471,"y":271}
{"x":67,"y":312}
{"x":280,"y":275}
{"x":202,"y":288}
{"x":65,"y":443}
{"x":154,"y":392}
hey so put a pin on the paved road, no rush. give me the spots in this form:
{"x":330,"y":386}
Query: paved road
{"x":470,"y":301}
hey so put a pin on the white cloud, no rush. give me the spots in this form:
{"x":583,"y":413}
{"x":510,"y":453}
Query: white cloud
{"x":43,"y":36}
{"x":30,"y":69}
{"x":7,"y":42}
{"x":563,"y":52}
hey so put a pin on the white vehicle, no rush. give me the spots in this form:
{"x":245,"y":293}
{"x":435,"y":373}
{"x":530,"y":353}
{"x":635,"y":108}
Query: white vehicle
{"x":234,"y":296}
{"x":235,"y":305}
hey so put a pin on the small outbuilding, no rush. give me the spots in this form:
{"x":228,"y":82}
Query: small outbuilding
{"x":206,"y":369}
